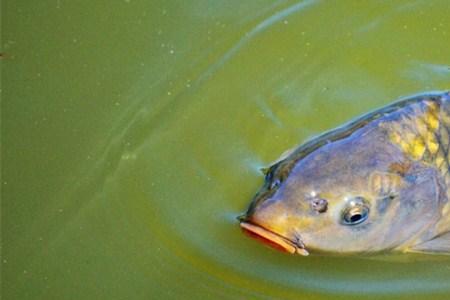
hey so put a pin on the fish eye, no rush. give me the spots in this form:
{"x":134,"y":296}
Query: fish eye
{"x":356,"y":213}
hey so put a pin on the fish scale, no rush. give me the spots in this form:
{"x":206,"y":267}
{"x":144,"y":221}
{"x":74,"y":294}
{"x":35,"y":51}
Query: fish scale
{"x":423,"y":134}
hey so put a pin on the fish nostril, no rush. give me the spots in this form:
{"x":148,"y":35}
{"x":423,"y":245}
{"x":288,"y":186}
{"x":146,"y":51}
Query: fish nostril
{"x":319,"y":205}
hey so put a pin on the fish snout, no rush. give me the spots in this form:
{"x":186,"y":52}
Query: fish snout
{"x":273,"y":239}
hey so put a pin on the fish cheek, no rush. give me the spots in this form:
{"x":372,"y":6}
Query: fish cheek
{"x":385,"y":184}
{"x":384,"y":203}
{"x":417,"y":206}
{"x":386,"y":188}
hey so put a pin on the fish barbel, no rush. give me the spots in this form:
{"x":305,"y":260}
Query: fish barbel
{"x":378,"y":183}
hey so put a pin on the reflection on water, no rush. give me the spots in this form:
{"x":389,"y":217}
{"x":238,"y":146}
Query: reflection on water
{"x":222,"y":90}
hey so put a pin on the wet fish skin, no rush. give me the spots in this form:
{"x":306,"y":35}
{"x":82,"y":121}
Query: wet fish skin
{"x":391,"y":165}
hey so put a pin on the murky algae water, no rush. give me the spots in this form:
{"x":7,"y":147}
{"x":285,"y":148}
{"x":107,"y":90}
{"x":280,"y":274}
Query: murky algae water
{"x":132,"y":134}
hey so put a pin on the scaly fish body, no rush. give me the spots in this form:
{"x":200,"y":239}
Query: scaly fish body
{"x":379,"y":183}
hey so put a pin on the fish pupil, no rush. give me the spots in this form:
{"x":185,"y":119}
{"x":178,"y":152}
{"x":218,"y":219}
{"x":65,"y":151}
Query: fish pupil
{"x":355,"y":218}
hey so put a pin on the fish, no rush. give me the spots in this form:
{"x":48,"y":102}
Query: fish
{"x":377,"y":184}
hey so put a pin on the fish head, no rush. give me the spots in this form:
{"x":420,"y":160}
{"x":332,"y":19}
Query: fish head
{"x":358,"y":194}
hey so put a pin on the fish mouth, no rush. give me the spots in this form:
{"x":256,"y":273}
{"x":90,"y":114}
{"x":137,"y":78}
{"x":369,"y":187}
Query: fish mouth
{"x":274,"y":240}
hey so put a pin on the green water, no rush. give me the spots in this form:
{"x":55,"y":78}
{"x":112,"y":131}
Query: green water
{"x":132,"y":134}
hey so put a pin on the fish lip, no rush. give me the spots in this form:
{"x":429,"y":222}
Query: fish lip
{"x":293,"y":247}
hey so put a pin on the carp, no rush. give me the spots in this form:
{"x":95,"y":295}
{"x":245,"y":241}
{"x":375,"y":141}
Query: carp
{"x":379,"y":183}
